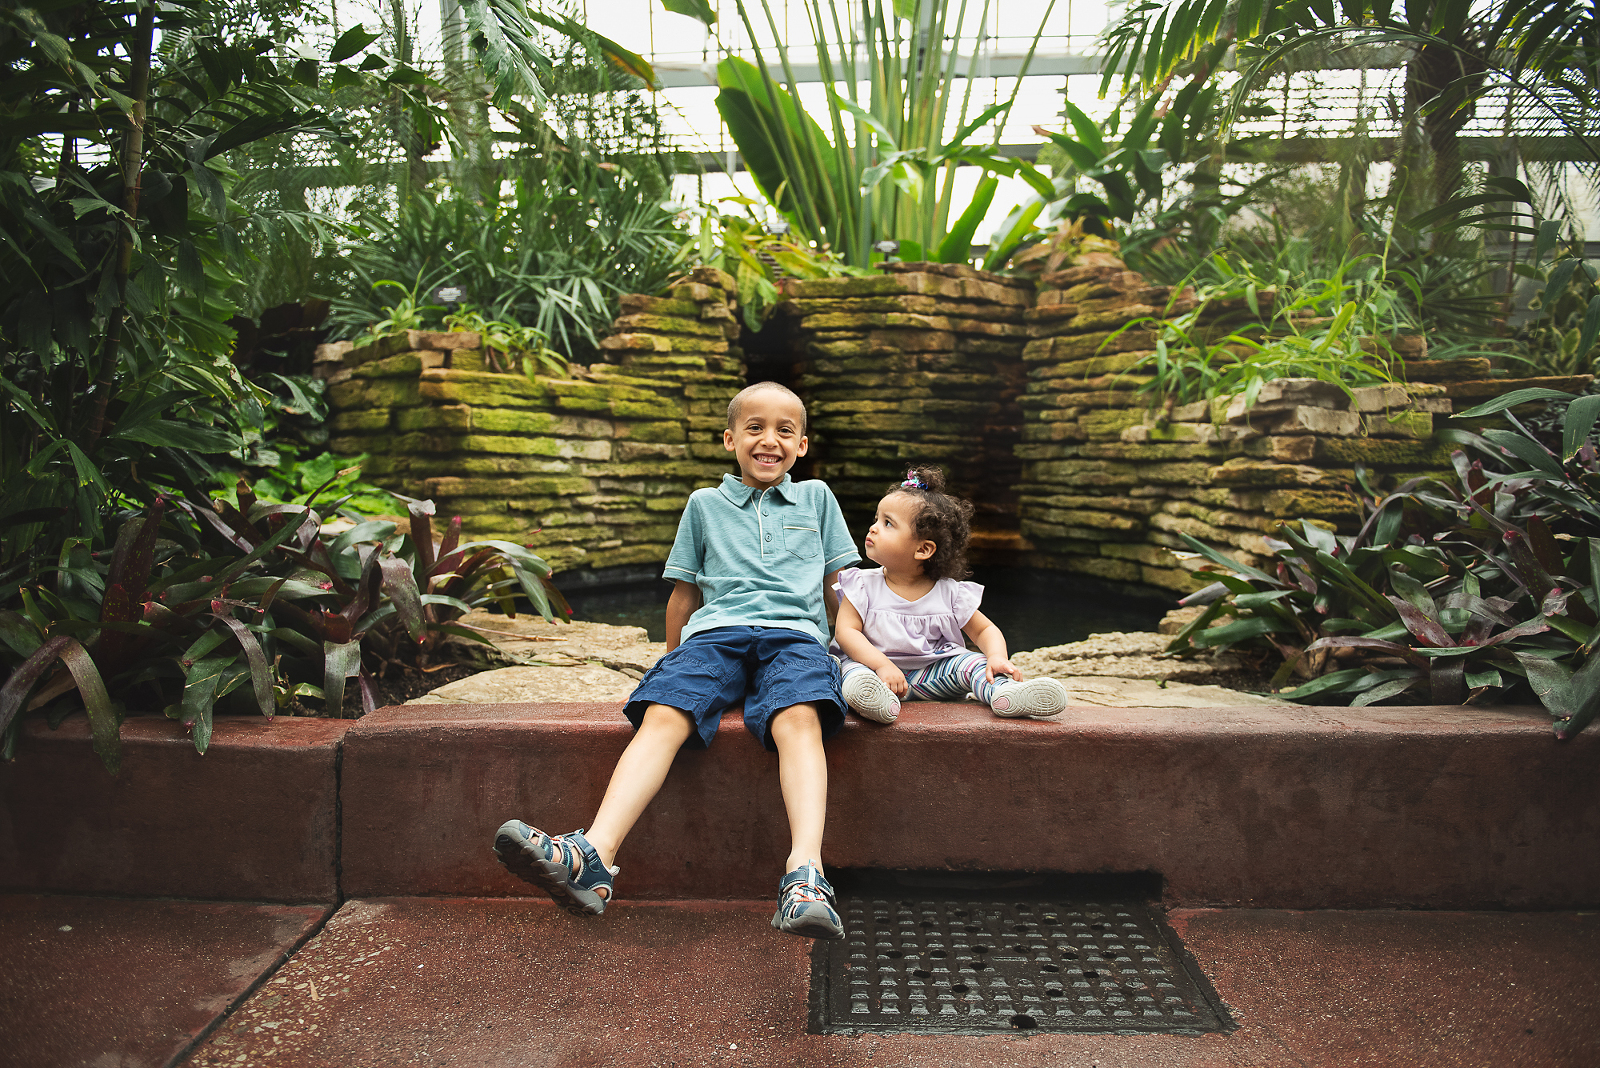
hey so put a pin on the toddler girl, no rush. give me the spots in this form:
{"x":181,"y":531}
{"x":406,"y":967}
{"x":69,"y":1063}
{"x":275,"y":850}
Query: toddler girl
{"x":899,"y":627}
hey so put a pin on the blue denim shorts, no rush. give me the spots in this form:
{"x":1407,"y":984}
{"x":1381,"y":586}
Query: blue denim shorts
{"x":767,"y":668}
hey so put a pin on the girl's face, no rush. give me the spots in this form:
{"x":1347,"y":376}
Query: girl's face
{"x":892,"y":539}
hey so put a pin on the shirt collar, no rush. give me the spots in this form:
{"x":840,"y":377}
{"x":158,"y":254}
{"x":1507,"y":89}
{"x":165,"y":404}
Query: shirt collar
{"x":739,"y":493}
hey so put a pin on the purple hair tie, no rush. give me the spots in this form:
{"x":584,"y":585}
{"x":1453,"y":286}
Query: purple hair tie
{"x":913,"y":481}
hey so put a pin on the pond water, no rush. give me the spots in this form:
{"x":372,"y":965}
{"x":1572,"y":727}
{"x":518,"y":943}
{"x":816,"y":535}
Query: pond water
{"x":1032,"y":607}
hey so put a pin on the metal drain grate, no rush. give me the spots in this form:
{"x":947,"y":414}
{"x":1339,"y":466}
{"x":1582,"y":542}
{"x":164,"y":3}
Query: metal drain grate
{"x":978,"y":966}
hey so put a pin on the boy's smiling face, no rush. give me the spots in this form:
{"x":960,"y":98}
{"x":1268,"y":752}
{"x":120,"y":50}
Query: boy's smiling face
{"x":767,"y":438}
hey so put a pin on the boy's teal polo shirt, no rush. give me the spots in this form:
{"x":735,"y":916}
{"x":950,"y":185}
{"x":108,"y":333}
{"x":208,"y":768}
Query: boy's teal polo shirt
{"x":759,"y":556}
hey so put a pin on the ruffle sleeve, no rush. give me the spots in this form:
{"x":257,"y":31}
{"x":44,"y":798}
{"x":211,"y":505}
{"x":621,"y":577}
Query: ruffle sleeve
{"x":852,"y":584}
{"x":964,"y":600}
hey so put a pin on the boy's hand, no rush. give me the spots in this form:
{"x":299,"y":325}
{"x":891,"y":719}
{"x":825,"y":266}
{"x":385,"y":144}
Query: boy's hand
{"x":999,"y":665}
{"x":894,"y":678}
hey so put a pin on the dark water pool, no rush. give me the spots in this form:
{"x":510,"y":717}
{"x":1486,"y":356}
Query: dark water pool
{"x":1033,"y":608}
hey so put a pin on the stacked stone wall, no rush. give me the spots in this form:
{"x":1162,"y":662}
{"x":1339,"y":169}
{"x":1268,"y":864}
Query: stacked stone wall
{"x":1108,"y":486}
{"x":922,"y":364}
{"x":593,"y":469}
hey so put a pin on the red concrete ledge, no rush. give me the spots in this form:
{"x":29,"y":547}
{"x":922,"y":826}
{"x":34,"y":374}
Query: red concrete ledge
{"x":255,"y":819}
{"x":1284,"y":807}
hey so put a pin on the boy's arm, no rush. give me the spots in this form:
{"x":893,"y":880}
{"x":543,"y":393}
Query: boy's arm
{"x":683,"y":603}
{"x":830,"y":599}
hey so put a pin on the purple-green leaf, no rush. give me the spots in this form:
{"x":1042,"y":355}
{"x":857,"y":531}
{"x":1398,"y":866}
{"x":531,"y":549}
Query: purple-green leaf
{"x":103,"y":723}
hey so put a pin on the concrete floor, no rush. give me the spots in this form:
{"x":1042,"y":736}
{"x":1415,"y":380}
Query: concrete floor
{"x":507,"y":983}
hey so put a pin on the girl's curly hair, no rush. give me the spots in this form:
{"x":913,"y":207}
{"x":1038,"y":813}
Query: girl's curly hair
{"x":942,"y":519}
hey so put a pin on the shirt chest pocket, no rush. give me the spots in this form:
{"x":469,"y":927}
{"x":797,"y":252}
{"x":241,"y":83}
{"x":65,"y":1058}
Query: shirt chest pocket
{"x":801,"y":535}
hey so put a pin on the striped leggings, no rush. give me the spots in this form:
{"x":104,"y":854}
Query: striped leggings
{"x":949,"y":679}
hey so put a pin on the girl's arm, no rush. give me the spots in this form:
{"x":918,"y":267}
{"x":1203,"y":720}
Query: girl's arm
{"x":858,"y":647}
{"x":992,"y":644}
{"x":683,"y":603}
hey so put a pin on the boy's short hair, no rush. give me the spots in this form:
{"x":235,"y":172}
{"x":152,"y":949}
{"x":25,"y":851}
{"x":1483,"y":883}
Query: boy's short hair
{"x":738,"y":401}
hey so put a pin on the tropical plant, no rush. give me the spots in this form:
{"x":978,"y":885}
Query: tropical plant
{"x":122,"y":243}
{"x":884,"y":170}
{"x":1544,"y":49}
{"x":555,"y":255}
{"x":1459,"y":592}
{"x":1335,"y":329}
{"x":207,"y":604}
{"x":508,"y":347}
{"x":1142,"y":199}
{"x":325,"y":474}
{"x":758,"y":260}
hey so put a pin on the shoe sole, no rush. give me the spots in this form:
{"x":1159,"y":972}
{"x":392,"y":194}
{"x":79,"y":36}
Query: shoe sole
{"x":1035,"y":699}
{"x":878,"y":703}
{"x":554,"y":879}
{"x":804,"y":927}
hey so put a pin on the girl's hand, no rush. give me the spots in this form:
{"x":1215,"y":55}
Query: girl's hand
{"x":999,"y":665}
{"x":894,"y":678}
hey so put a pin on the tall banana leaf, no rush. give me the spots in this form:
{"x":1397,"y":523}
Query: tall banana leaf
{"x":882,"y":168}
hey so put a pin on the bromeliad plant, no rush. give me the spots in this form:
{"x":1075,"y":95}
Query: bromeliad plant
{"x":1448,"y":593}
{"x":245,"y":607}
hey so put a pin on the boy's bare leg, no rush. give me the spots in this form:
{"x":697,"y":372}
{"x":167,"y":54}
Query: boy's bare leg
{"x":803,"y":778}
{"x":640,"y":771}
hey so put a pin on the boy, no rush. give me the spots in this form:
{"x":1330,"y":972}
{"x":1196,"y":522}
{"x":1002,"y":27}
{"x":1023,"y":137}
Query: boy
{"x":746,"y":621}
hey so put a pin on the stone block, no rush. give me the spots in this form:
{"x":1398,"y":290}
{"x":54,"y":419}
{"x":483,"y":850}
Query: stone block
{"x":400,"y":366}
{"x":1472,"y":367}
{"x":1149,"y":555}
{"x":1305,"y":420}
{"x":696,"y":293}
{"x":364,"y":351}
{"x":628,"y":451}
{"x":362,"y":421}
{"x":1054,"y":431}
{"x":1246,"y":472}
{"x":1096,"y":365}
{"x":1287,"y":393}
{"x":433,"y":339}
{"x":643,"y":322}
{"x":1177,"y":579}
{"x":1292,"y":504}
{"x":1085,"y":346}
{"x":635,"y":342}
{"x":714,"y":277}
{"x":639,"y":303}
{"x":332,"y":352}
{"x":375,"y":393}
{"x":1099,"y":383}
{"x":1416,"y":425}
{"x":1380,"y":398}
{"x":1124,"y":450}
{"x":470,"y":360}
{"x":552,"y":488}
{"x":662,"y":431}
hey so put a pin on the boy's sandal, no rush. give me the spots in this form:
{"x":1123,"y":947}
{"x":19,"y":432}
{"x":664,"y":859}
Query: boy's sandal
{"x":805,"y":905}
{"x":565,"y":866}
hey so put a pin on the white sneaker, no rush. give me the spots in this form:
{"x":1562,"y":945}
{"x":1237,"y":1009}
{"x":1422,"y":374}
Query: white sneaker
{"x":1035,"y":698}
{"x":870,"y":697}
